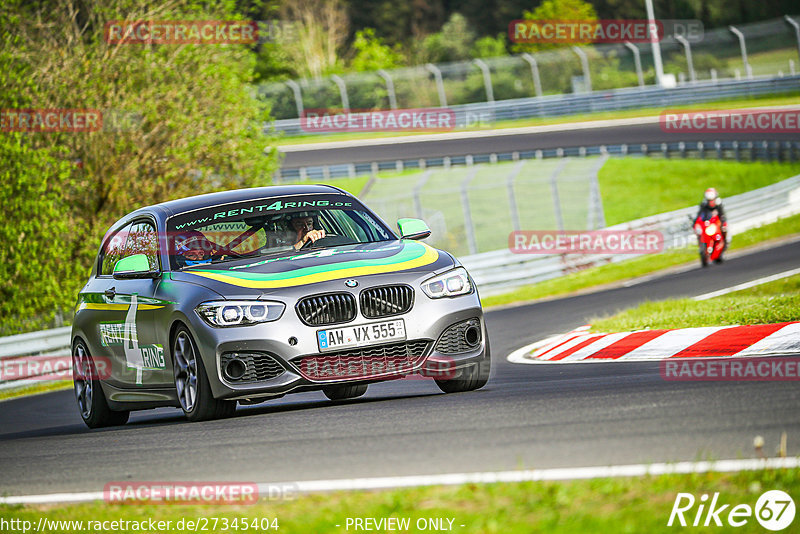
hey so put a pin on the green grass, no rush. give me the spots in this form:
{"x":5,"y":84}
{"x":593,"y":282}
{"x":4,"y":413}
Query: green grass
{"x":599,"y":505}
{"x":632,"y":188}
{"x":773,"y":302}
{"x":642,"y":265}
{"x":766,"y":100}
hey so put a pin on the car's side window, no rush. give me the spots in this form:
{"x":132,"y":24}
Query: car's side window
{"x":113,"y":251}
{"x":143,"y":239}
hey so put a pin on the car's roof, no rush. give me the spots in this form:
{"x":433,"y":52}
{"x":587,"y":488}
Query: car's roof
{"x":180,"y":205}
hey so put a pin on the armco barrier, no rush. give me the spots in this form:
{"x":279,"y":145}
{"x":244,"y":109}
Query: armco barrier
{"x":607,"y":100}
{"x":54,"y":343}
{"x":502,"y":270}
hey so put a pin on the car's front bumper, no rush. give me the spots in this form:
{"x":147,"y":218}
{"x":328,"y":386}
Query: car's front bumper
{"x":288,"y":339}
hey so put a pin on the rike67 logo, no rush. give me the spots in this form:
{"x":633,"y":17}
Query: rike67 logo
{"x":774,"y":511}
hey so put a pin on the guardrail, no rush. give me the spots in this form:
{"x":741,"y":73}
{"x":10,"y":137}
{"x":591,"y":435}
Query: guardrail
{"x":606,"y":100}
{"x":493,"y":272}
{"x":502,"y":270}
{"x":734,"y":150}
{"x":26,"y":358}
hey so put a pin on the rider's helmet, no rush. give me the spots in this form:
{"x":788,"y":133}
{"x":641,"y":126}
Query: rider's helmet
{"x":193,"y":248}
{"x":711,"y":198}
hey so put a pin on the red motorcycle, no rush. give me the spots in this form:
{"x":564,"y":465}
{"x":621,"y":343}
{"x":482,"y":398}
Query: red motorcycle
{"x":710,"y":239}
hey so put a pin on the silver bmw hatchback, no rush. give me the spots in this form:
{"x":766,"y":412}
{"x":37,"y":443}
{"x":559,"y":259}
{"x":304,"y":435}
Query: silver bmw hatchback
{"x":244,"y":296}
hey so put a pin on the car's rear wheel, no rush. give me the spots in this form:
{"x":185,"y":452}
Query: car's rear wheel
{"x":352,"y":391}
{"x":191,"y":382}
{"x":470,"y":378}
{"x":92,"y":402}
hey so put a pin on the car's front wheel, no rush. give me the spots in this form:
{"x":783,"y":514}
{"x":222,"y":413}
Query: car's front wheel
{"x":470,"y":378}
{"x":191,"y":382}
{"x":92,"y":402}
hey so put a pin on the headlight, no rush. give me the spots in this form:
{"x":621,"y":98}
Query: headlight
{"x":240,"y":312}
{"x":449,"y":284}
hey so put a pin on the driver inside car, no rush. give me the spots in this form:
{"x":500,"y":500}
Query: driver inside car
{"x":194,"y":248}
{"x":302,"y":223}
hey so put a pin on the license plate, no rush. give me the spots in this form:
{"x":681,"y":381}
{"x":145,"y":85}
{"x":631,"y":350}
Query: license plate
{"x":360,"y":335}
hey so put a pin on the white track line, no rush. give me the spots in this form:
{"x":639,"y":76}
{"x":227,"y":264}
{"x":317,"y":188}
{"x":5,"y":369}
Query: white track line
{"x":565,"y":473}
{"x":746,"y":285}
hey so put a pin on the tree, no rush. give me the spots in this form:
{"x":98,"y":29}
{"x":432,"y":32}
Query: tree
{"x":319,"y":30}
{"x":190,"y":123}
{"x":452,"y":43}
{"x":371,"y":53}
{"x":489,"y":46}
{"x":556,"y":10}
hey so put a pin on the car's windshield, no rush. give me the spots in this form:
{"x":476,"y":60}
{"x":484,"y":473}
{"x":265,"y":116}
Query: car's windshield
{"x":260,"y":227}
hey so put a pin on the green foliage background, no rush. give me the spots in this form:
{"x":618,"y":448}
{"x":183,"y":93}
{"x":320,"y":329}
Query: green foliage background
{"x":193,"y":124}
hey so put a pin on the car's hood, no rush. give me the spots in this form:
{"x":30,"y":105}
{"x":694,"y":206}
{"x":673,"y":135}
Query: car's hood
{"x":318,"y":266}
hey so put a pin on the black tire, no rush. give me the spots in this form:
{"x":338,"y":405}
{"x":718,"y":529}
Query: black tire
{"x":89,"y":395}
{"x":191,"y":382}
{"x":351,"y":391}
{"x":703,"y":257}
{"x":470,"y":378}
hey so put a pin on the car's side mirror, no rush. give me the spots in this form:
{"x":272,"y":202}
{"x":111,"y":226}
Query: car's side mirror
{"x":135,"y":266}
{"x":413,"y":228}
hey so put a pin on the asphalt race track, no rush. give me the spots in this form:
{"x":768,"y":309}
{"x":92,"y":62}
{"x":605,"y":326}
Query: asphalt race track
{"x":528,"y":416}
{"x":606,"y":135}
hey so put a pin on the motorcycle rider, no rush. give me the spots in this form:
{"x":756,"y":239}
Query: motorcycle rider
{"x":710,"y":206}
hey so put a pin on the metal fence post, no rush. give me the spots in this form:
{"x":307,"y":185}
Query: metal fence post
{"x":688,"y":49}
{"x":554,"y":192}
{"x":512,"y":197}
{"x":597,"y":217}
{"x":747,"y":70}
{"x":416,"y":192}
{"x":468,"y":226}
{"x":537,"y":83}
{"x":587,"y":77}
{"x":298,"y":96}
{"x":796,"y":27}
{"x":487,"y":78}
{"x":342,"y":91}
{"x":437,"y":74}
{"x":389,"y":88}
{"x":637,"y":61}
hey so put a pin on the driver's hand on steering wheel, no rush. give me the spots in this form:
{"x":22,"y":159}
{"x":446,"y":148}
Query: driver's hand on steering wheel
{"x":312,"y":235}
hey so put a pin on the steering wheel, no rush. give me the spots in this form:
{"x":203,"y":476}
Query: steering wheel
{"x":309,"y":243}
{"x":232,"y":254}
